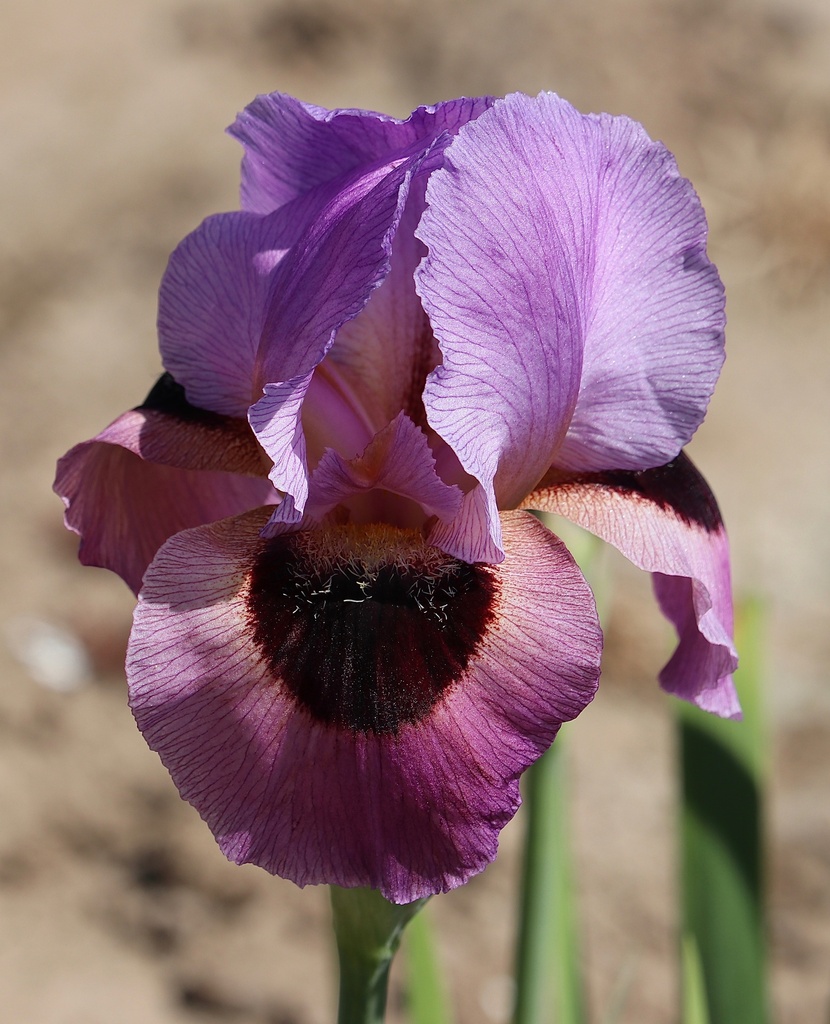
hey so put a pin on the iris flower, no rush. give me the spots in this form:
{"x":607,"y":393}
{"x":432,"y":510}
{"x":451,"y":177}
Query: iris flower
{"x":350,"y":638}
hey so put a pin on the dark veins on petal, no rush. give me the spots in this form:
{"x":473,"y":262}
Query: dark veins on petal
{"x":363,"y":641}
{"x":677,"y":487}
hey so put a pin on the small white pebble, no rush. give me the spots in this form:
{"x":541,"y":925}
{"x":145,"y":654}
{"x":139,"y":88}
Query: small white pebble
{"x":53,"y":656}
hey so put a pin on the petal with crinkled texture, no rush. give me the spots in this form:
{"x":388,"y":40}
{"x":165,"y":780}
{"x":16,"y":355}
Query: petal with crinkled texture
{"x":579,"y":319}
{"x":411,"y":804}
{"x":666,"y":520}
{"x":468,"y":536}
{"x":223,"y":279}
{"x":156,"y":470}
{"x":322,"y":282}
{"x":397,"y":461}
{"x":292,"y":147}
{"x":654,"y":345}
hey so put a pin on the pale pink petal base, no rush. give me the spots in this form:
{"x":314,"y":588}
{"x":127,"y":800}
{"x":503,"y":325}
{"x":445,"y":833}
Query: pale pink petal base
{"x":322,"y":282}
{"x":666,"y":521}
{"x":387,"y":351}
{"x":412,"y":812}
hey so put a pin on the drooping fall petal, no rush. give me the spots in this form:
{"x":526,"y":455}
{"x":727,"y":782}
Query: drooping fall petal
{"x":667,"y":522}
{"x":357,"y":709}
{"x":158,"y":469}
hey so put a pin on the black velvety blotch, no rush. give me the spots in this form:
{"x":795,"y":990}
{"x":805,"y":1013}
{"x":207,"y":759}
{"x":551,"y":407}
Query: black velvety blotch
{"x":363,"y":645}
{"x":168,"y":396}
{"x":677,"y":487}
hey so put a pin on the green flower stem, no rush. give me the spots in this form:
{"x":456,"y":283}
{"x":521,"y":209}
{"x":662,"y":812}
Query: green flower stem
{"x":547,"y":961}
{"x":549,"y":983}
{"x":368,"y":930}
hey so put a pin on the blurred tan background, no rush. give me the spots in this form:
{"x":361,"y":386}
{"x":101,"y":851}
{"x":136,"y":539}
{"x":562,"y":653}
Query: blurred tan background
{"x":115,"y":905}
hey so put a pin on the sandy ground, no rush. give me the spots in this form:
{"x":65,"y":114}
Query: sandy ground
{"x":117,"y":908}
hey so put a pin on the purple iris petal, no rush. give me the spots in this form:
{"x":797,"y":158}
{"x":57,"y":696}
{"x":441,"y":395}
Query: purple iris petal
{"x":579,"y":319}
{"x":387,"y":351}
{"x":213,"y":302}
{"x":407,"y":797}
{"x":250,"y":304}
{"x":292,"y":147}
{"x":325,"y":280}
{"x":149,"y":475}
{"x":469,"y":535}
{"x":215,"y":294}
{"x":667,"y":522}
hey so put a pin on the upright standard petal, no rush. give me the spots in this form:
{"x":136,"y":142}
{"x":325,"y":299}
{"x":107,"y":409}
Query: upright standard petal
{"x":217,"y":290}
{"x":324,"y":281}
{"x":665,"y":520}
{"x":654,"y":346}
{"x":386,"y":353}
{"x":163,"y":467}
{"x":356,"y":709}
{"x":567,"y":283}
{"x":213,"y":301}
{"x":292,"y":147}
{"x":502,"y":287}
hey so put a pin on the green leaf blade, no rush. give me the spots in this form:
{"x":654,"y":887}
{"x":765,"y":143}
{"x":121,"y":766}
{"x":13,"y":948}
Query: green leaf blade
{"x":722,"y":876}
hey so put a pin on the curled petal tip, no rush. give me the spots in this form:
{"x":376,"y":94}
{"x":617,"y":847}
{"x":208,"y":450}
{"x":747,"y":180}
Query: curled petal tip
{"x":666,"y":521}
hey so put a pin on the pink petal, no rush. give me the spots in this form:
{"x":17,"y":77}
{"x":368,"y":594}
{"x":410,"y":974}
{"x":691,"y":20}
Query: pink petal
{"x":333,"y":414}
{"x":411,"y":807}
{"x":667,"y":522}
{"x":386,"y":352}
{"x":152,"y":473}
